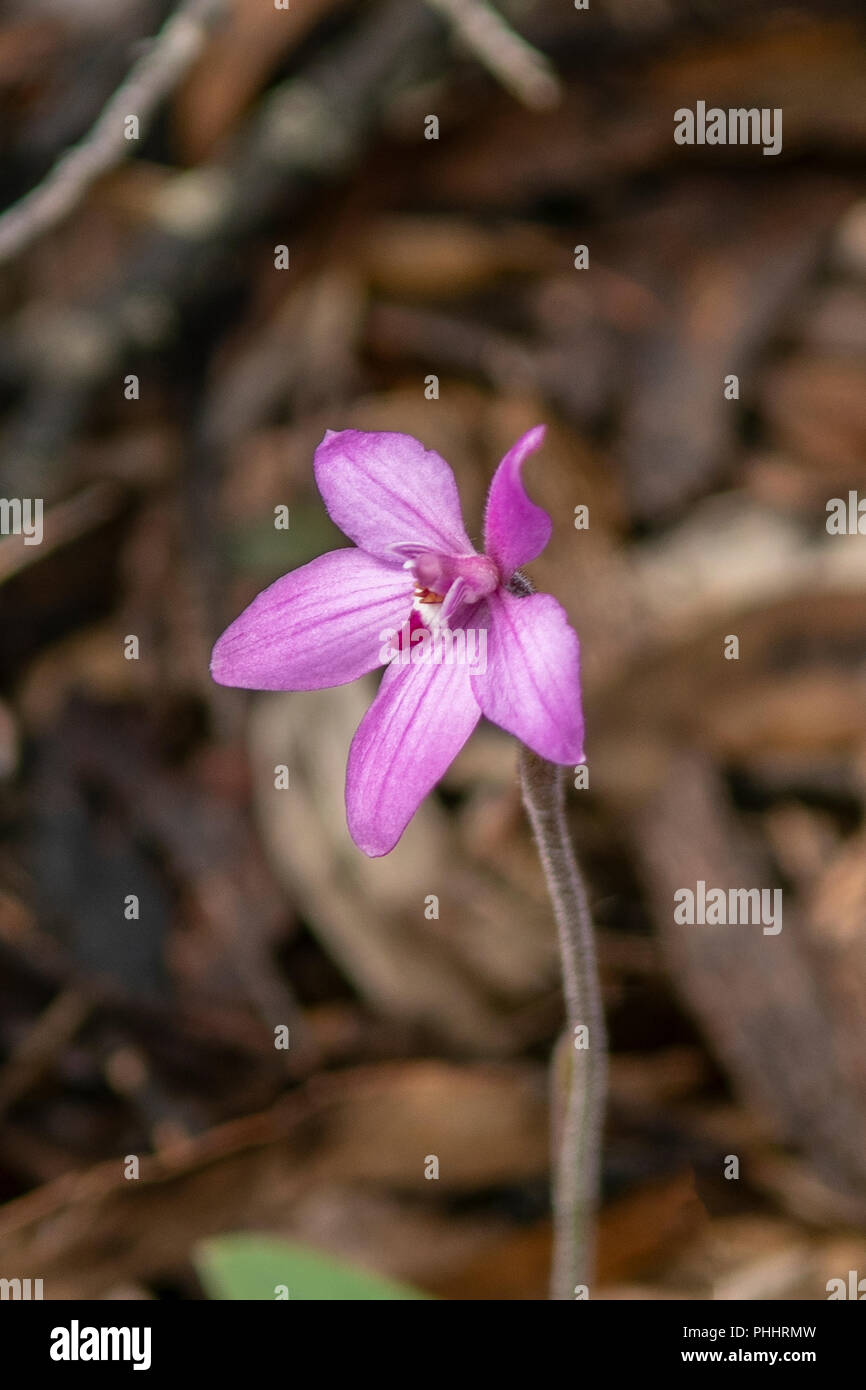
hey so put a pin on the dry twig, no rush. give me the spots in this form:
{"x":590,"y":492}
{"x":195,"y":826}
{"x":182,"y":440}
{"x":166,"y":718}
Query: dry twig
{"x":152,"y":78}
{"x":520,"y":68}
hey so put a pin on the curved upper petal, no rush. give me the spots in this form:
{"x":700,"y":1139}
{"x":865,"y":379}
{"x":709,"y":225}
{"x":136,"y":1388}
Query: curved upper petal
{"x":318,"y":626}
{"x":384,"y":489}
{"x":531,"y":686}
{"x":416,"y":726}
{"x":515,"y":529}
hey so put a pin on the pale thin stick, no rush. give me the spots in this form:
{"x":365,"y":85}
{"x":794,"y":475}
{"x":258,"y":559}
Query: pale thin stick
{"x":521,"y":69}
{"x":168,"y":57}
{"x":64,"y":522}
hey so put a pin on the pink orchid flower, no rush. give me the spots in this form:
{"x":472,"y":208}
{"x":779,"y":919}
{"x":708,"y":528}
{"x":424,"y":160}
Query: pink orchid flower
{"x":415,"y":573}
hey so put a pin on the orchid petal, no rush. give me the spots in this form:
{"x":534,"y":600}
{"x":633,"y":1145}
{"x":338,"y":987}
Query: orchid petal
{"x":531,"y":686}
{"x":385,"y":490}
{"x":416,"y":726}
{"x":318,"y":626}
{"x":515,"y":529}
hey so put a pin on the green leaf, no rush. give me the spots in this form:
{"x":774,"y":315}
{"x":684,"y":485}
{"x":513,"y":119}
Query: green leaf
{"x":260,"y":1267}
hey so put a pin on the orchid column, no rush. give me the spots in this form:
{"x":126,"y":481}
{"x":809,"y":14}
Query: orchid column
{"x":413,"y":578}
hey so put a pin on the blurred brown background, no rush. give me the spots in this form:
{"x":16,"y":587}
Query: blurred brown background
{"x":454,"y":257}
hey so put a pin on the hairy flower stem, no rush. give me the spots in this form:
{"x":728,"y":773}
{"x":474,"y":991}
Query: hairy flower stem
{"x":577,"y":1125}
